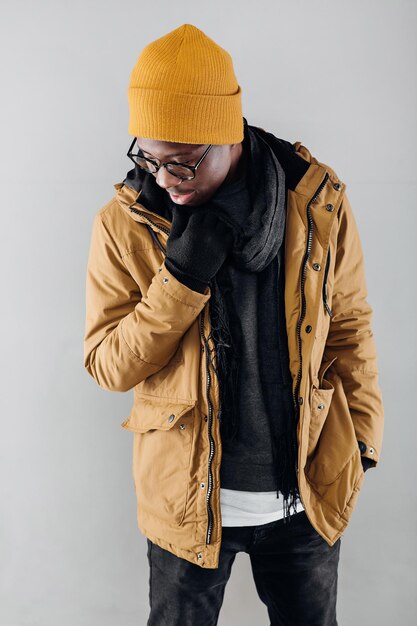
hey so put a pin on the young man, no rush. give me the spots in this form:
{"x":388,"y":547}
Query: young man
{"x":226,"y":286}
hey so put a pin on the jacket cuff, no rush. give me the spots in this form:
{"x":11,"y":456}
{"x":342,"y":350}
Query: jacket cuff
{"x":175,"y":287}
{"x":369,"y":451}
{"x":189,"y":281}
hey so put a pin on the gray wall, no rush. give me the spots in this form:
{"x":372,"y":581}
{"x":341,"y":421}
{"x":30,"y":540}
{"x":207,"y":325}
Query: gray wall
{"x":341,"y":78}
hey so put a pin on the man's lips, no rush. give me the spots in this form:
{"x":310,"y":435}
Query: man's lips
{"x":181,"y":198}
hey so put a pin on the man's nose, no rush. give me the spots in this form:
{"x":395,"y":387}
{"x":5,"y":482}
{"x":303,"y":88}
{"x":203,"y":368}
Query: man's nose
{"x":165,"y":179}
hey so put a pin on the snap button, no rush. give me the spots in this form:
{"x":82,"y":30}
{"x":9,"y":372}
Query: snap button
{"x":199,"y":556}
{"x":329,"y":207}
{"x":182,"y":426}
{"x":320,"y":406}
{"x":337,"y":186}
{"x":165,"y":280}
{"x":316,"y":266}
{"x":309,"y":328}
{"x":202,"y":485}
{"x":371,"y":450}
{"x":205,"y":418}
{"x":171,"y":417}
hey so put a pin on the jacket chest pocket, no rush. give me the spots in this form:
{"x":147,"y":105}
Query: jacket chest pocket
{"x":325,"y":285}
{"x":325,"y":312}
{"x":162,"y":445}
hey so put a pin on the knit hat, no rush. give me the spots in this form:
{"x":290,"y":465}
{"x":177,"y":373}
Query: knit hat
{"x":183,"y":89}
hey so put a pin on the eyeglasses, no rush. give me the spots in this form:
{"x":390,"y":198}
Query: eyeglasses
{"x":180,"y":170}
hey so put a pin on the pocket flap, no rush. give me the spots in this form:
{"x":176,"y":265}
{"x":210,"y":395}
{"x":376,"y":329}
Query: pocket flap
{"x":152,"y":412}
{"x":323,"y":369}
{"x":321,"y":399}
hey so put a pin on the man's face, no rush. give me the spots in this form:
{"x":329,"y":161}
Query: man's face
{"x":218,"y":166}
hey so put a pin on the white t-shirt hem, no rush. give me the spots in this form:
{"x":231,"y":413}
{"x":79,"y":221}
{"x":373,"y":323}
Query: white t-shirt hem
{"x":252,"y":508}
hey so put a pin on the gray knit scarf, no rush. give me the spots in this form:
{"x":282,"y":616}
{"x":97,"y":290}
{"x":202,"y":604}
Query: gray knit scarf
{"x":259,"y":247}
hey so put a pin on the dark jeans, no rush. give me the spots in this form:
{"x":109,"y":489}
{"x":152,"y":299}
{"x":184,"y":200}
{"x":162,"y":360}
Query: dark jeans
{"x":294,"y":569}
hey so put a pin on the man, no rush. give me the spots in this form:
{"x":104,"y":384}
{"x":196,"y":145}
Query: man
{"x":226,"y":286}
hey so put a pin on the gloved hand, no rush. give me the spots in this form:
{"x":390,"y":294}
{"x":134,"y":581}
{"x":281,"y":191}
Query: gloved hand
{"x":197,"y":246}
{"x":366,"y":463}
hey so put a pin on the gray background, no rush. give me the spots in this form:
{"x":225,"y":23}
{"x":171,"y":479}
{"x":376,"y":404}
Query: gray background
{"x":341,"y":78}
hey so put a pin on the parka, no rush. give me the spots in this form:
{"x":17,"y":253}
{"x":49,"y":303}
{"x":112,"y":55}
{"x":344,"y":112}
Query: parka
{"x":145,"y":331}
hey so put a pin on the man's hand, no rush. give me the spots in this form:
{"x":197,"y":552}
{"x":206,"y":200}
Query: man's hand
{"x":366,"y":463}
{"x":198,"y":244}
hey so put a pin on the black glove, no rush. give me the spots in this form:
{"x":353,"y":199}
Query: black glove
{"x":197,"y":246}
{"x":366,"y":463}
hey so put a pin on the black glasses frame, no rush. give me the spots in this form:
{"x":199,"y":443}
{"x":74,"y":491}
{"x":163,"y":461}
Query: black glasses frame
{"x":157,"y":164}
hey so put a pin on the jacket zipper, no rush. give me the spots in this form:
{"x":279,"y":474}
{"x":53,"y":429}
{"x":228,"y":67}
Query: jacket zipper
{"x":165,"y":230}
{"x":303,"y":300}
{"x":210,"y":435}
{"x":326,"y":271}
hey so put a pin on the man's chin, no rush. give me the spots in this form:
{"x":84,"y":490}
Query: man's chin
{"x":183,"y":198}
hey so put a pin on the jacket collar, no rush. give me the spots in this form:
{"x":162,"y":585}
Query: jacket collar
{"x":304,"y":175}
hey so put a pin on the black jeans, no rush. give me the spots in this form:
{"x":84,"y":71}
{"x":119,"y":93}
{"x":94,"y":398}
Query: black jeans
{"x":294,"y":569}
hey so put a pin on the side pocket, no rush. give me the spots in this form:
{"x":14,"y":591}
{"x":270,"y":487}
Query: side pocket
{"x":163,"y":436}
{"x":321,"y":398}
{"x":334,"y":443}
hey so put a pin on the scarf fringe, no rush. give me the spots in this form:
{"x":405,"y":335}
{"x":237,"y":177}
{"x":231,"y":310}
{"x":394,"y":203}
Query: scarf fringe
{"x":284,"y":451}
{"x":226,"y":365}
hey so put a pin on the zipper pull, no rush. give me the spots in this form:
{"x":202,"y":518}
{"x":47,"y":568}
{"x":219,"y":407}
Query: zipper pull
{"x":326,"y":271}
{"x":326,"y":306}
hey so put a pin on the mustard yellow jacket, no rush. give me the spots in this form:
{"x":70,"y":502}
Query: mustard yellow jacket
{"x":148,"y":332}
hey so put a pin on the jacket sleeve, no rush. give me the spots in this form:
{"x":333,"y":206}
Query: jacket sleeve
{"x":129,"y":337}
{"x":351,"y":338}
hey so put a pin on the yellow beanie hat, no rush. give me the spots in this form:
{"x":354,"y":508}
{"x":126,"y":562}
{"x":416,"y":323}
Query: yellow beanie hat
{"x":183,"y":89}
